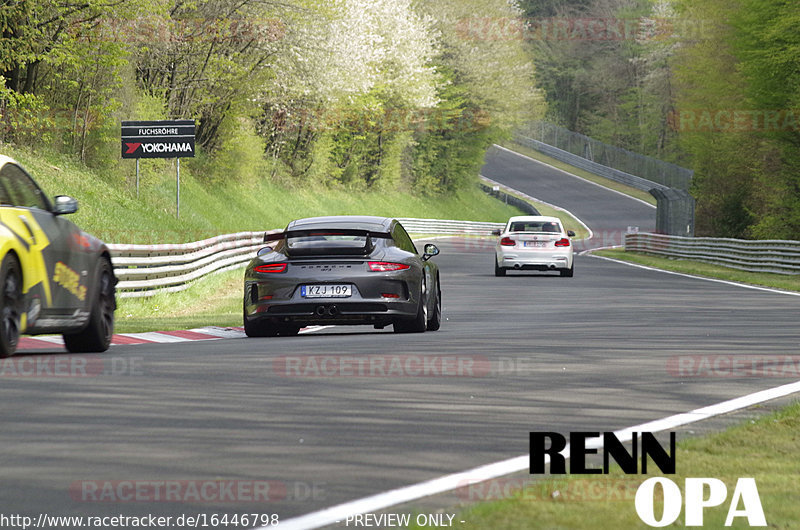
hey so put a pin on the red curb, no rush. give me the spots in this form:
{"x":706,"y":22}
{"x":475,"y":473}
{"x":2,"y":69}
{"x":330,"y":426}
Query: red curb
{"x":191,"y":335}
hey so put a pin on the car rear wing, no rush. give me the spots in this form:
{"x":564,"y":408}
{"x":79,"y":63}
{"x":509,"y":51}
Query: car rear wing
{"x":322,"y":248}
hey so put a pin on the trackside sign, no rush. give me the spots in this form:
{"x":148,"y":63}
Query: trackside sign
{"x":158,"y":139}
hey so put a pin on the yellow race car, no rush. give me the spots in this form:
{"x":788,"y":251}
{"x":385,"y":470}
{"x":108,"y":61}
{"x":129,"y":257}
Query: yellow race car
{"x":54,"y":277}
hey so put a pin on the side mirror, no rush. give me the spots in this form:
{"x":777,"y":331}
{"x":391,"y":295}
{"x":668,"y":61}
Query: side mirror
{"x":64,"y":204}
{"x":431,"y":250}
{"x":570,"y":233}
{"x":496,"y":232}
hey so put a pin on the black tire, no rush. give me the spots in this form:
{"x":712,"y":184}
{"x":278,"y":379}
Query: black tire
{"x":498,"y":271}
{"x":568,"y":273}
{"x":11,"y":285}
{"x":420,"y":322}
{"x":96,"y":336}
{"x":265,"y":328}
{"x":436,"y":318}
{"x":288,"y":330}
{"x":258,"y":328}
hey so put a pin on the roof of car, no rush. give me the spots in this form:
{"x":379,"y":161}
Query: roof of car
{"x":538,"y":218}
{"x":365,"y":222}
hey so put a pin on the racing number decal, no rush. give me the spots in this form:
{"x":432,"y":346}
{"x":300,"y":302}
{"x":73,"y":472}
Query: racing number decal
{"x":69,"y":280}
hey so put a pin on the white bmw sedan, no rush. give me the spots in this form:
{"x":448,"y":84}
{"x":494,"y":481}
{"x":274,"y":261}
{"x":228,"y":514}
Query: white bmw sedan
{"x":534,"y":243}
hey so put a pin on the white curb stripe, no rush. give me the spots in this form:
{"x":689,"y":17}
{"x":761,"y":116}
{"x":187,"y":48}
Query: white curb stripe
{"x":52,"y":339}
{"x":154,"y":336}
{"x":387,"y":499}
{"x":220,"y":333}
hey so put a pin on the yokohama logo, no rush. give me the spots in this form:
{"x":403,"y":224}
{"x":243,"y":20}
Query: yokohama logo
{"x":184,"y":147}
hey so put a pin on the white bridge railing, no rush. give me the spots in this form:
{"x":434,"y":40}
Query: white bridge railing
{"x":144,"y":270}
{"x":777,"y":256}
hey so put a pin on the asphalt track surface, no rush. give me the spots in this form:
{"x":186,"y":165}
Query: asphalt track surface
{"x":595,"y":352}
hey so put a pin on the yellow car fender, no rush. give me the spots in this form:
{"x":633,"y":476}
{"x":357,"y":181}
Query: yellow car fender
{"x":22,"y":235}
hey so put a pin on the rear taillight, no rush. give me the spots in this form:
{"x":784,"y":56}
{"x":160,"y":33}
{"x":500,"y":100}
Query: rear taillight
{"x":563,"y":242}
{"x":385,"y":266}
{"x":274,"y":267}
{"x":507,"y":242}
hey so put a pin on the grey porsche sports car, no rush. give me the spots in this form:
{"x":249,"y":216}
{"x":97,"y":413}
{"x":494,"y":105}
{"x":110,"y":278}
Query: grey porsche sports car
{"x":341,"y":270}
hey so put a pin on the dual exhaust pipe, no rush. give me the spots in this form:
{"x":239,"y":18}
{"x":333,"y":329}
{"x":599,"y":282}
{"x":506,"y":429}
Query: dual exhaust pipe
{"x":326,"y":311}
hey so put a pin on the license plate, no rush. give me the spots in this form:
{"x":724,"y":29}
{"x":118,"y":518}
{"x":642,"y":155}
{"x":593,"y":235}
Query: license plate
{"x":536,"y":244}
{"x":326,"y":291}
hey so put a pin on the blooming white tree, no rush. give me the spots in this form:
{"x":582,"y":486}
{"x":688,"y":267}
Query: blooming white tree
{"x":341,"y":50}
{"x":483,"y":42}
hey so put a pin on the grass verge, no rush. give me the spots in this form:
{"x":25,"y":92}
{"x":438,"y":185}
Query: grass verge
{"x":708,"y":270}
{"x":215,"y":300}
{"x":761,"y":449}
{"x":536,"y":155}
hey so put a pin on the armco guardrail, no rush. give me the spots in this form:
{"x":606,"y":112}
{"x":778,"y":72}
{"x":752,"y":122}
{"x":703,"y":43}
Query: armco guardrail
{"x":588,"y":165}
{"x":144,"y":270}
{"x":495,"y":189}
{"x":778,"y":256}
{"x":669,"y":183}
{"x":626,"y":162}
{"x":440,"y":226}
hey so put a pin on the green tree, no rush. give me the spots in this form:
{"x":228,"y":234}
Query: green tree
{"x":767,"y":44}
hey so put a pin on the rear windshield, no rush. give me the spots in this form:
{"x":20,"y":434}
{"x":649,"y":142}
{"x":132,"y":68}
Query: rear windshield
{"x":327,"y":240}
{"x":535,"y":226}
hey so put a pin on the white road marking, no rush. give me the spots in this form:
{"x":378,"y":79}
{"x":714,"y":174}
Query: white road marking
{"x":715,"y":280}
{"x":479,"y":474}
{"x":576,"y":176}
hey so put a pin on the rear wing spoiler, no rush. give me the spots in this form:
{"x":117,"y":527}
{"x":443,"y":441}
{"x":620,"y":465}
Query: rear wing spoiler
{"x":277,"y":236}
{"x":368,"y":236}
